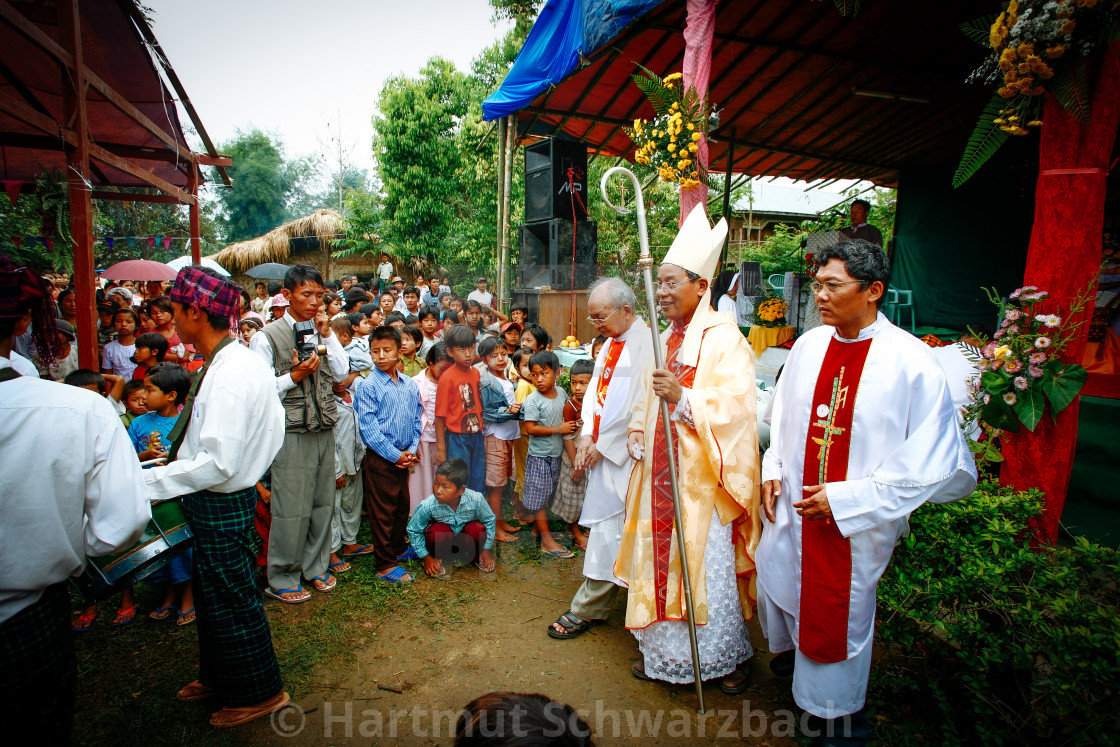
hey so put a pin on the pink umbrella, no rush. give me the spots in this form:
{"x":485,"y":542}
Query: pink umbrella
{"x":139,"y":269}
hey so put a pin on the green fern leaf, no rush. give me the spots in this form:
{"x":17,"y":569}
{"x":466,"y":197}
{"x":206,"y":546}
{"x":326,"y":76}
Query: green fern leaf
{"x":979,"y":29}
{"x":1071,"y":88}
{"x":983,"y":143}
{"x":847,"y":8}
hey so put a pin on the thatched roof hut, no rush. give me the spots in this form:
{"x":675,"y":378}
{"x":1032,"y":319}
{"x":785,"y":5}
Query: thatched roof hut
{"x":311,"y":234}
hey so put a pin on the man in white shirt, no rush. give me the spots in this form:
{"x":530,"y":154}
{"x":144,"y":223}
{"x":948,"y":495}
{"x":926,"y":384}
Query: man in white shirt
{"x":863,"y":433}
{"x":624,"y":364}
{"x":384,"y":272}
{"x":481,"y":294}
{"x":72,"y":489}
{"x":229,"y":430}
{"x":302,"y":501}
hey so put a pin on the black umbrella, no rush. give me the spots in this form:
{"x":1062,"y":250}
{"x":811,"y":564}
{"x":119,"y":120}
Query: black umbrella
{"x":268,"y":271}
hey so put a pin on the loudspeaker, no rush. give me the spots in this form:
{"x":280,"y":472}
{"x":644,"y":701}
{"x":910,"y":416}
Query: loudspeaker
{"x":545,"y":257}
{"x":548,"y":191}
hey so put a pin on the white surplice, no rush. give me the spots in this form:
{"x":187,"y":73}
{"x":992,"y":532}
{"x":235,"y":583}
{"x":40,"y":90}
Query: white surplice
{"x":906,"y":449}
{"x":608,"y":480}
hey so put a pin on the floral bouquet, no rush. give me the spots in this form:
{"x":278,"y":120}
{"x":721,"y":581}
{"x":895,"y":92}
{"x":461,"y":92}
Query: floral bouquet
{"x":770,"y":313}
{"x":670,"y":141}
{"x":1021,"y":368}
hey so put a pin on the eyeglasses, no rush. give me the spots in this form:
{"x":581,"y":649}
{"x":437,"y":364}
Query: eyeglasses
{"x":671,"y":284}
{"x":832,"y":285}
{"x":597,"y":322}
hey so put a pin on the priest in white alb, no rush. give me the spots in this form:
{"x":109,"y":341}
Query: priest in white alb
{"x":863,"y":432}
{"x":619,"y":381}
{"x":708,"y":382}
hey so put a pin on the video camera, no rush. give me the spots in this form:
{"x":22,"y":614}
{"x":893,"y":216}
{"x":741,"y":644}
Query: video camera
{"x":304,"y":344}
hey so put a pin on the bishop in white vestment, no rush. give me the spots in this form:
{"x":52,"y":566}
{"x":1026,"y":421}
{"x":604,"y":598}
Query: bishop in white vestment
{"x":864,"y":431}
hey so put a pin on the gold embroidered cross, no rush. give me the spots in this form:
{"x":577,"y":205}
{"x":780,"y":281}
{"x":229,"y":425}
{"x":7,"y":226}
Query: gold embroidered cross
{"x":839,"y":399}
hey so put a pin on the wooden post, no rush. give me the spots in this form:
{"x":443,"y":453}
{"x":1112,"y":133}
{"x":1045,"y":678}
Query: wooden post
{"x":727,"y":203}
{"x":77,"y":160}
{"x":500,"y":246}
{"x":510,"y":146}
{"x":193,"y":210}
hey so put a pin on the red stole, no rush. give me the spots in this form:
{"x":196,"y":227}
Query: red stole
{"x":826,"y":555}
{"x":614,"y":352}
{"x":661,"y":485}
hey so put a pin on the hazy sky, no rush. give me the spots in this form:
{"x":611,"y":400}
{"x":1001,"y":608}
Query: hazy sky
{"x":296,"y":68}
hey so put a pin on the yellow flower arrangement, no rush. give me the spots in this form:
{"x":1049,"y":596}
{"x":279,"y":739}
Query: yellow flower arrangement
{"x":672,"y":139}
{"x":770,"y":313}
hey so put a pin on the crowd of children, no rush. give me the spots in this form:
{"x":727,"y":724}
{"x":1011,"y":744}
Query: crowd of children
{"x":449,"y":407}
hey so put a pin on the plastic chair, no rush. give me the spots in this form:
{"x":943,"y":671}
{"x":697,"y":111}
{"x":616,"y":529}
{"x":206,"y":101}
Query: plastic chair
{"x":901,"y":300}
{"x":777,"y":282}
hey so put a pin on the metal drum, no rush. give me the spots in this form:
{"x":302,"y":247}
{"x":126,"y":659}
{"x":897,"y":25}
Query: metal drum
{"x":167,"y":535}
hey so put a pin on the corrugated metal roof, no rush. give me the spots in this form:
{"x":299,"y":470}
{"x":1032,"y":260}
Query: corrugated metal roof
{"x":770,"y":198}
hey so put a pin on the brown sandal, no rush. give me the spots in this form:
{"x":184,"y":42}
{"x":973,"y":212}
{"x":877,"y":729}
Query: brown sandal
{"x":196,"y":691}
{"x":250,"y":713}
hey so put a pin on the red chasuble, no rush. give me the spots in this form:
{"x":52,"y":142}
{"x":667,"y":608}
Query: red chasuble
{"x":661,"y":485}
{"x":826,"y":556}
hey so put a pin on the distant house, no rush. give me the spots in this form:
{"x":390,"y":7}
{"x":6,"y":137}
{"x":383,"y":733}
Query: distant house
{"x":774,"y":205}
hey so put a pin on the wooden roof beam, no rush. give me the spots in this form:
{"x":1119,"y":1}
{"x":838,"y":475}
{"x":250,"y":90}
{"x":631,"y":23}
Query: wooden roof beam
{"x":96,"y":151}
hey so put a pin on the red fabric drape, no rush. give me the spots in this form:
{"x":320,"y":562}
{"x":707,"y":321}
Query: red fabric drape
{"x":699,"y":30}
{"x":1064,"y":258}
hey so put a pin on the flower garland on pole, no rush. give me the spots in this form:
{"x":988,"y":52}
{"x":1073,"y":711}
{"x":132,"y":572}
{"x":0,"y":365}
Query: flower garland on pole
{"x":1035,"y":47}
{"x":670,"y":140}
{"x":1021,"y":371}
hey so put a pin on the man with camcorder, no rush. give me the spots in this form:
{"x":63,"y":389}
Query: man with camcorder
{"x":302,"y":500}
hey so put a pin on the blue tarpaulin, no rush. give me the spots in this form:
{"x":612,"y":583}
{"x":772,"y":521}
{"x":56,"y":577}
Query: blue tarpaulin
{"x":563,"y":31}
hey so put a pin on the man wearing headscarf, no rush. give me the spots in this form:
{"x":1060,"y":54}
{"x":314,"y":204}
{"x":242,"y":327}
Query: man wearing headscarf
{"x":708,"y":381}
{"x":229,"y":431}
{"x":72,"y":489}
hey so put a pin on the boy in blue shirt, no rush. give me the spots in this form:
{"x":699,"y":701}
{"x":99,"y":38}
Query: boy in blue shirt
{"x":453,"y":524}
{"x":165,"y":387}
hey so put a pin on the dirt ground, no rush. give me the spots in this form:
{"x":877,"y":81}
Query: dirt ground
{"x":477,"y":633}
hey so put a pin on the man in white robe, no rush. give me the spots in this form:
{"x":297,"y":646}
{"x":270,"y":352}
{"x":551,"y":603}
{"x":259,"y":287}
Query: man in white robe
{"x":624,"y":365}
{"x":864,"y":431}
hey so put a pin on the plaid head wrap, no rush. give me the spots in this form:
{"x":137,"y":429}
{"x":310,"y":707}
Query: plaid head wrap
{"x":22,"y":290}
{"x":211,"y":294}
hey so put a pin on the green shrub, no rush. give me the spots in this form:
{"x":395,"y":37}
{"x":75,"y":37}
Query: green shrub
{"x":992,"y":641}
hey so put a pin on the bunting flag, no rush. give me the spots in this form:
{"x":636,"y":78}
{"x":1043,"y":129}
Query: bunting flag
{"x":166,"y":242}
{"x":131,"y":243}
{"x":12,"y":187}
{"x":49,"y":243}
{"x":17,"y":240}
{"x":151,"y":242}
{"x":109,"y":241}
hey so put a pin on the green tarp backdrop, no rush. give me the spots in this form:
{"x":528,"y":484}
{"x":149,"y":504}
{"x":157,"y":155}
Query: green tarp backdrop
{"x":949,"y":243}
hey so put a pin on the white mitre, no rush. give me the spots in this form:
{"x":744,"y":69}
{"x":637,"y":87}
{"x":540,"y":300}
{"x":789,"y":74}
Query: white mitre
{"x":698,"y":245}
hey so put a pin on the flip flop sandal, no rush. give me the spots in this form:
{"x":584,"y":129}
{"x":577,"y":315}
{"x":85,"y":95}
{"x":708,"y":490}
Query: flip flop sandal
{"x":562,"y":553}
{"x":304,"y":596}
{"x":120,"y":620}
{"x":87,"y":619}
{"x":161,"y":613}
{"x":640,"y":673}
{"x":328,"y":581}
{"x":183,"y":617}
{"x":408,"y":554}
{"x":249,"y":713}
{"x":396,"y":576}
{"x":340,"y":567}
{"x":483,"y":570}
{"x":196,"y":691}
{"x":574,"y":624}
{"x":361,"y":551}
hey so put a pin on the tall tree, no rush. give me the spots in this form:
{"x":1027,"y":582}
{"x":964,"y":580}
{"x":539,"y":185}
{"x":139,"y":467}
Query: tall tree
{"x":419,"y":160}
{"x":261,"y":185}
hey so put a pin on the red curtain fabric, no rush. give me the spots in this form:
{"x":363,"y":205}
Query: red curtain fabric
{"x":699,"y":30}
{"x":1064,"y":258}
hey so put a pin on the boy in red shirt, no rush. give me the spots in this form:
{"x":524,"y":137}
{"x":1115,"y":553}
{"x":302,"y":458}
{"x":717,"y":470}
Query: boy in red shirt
{"x":459,"y":410}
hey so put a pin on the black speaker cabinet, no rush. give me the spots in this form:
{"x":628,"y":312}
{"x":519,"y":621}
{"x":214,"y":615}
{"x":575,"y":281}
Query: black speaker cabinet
{"x":545,"y":257}
{"x":548,"y":192}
